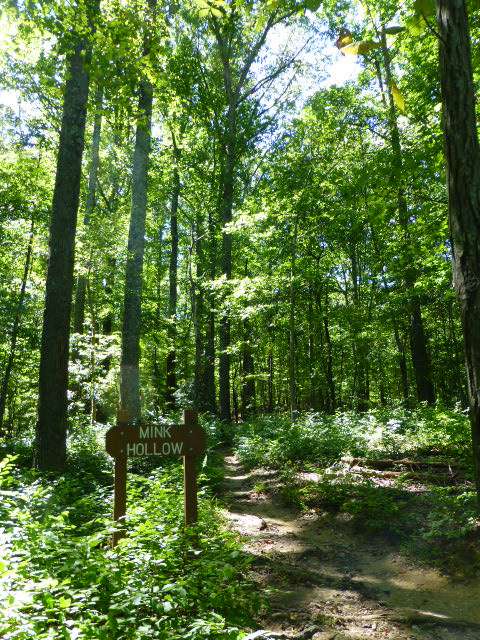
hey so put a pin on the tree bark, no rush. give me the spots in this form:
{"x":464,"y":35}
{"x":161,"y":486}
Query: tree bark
{"x":462,"y":153}
{"x":51,"y":429}
{"x":361,"y":391}
{"x":157,"y":375}
{"x":132,"y":312}
{"x":418,"y":339}
{"x":81,"y":288}
{"x":15,"y":329}
{"x":402,"y":363}
{"x":210,"y":388}
{"x":292,"y":328}
{"x":270,"y":379}
{"x":171,"y":375}
{"x":248,"y":370}
{"x":332,"y":400}
{"x":312,"y":354}
{"x":226,"y":218}
{"x":420,"y":355}
{"x":200,"y":385}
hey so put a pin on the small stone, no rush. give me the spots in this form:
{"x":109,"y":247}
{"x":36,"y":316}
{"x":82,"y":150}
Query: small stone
{"x":264,"y":634}
{"x":324,"y":635}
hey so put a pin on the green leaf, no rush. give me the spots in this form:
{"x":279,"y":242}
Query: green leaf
{"x":345,"y":38}
{"x":313,"y":5}
{"x":64,"y":603}
{"x":415,"y":25}
{"x":425,"y":8}
{"x":207,"y":8}
{"x":398,"y":98}
{"x":360,"y":48}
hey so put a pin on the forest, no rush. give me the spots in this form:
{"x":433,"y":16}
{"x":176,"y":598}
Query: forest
{"x":254,"y":224}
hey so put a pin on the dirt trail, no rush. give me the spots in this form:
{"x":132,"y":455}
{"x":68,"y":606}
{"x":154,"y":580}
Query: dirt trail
{"x":326,"y":583}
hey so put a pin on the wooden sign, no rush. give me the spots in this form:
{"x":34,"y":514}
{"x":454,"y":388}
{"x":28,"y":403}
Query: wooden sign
{"x":146,"y":439}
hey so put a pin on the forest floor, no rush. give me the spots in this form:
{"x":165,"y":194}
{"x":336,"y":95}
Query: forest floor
{"x":326,"y":581}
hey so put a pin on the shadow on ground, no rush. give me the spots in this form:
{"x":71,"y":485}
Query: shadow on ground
{"x":325,"y":580}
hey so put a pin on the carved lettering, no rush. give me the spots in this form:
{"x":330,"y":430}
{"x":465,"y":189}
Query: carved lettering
{"x":155,"y":431}
{"x":177,"y":447}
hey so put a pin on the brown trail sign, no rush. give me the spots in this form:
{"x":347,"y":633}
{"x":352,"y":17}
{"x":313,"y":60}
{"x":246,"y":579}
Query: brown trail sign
{"x":124,"y":441}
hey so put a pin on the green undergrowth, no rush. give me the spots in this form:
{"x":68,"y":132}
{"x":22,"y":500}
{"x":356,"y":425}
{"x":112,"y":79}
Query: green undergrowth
{"x":59,"y":577}
{"x":321,"y":439}
{"x":371,"y":508}
{"x":431,"y":515}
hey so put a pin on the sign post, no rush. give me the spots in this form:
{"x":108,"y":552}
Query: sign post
{"x":124,"y":441}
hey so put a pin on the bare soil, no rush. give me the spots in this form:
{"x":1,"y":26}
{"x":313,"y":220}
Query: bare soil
{"x":324,"y":581}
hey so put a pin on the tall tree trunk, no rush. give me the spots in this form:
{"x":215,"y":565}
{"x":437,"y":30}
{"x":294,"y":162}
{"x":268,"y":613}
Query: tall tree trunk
{"x":15,"y":329}
{"x":292,"y":328}
{"x":360,"y":345}
{"x":171,"y":374}
{"x":81,"y":288}
{"x":270,"y":379}
{"x":234,"y":80}
{"x":107,"y":321}
{"x":92,"y":406}
{"x":312,"y":354}
{"x":332,"y":400}
{"x":226,"y":264}
{"x":132,"y":311}
{"x":248,"y":370}
{"x":402,"y":363}
{"x":418,"y":339}
{"x":157,"y":376}
{"x":420,"y":355}
{"x":463,"y":176}
{"x":459,"y":382}
{"x":270,"y":360}
{"x":210,"y":389}
{"x":199,"y":381}
{"x":51,"y":429}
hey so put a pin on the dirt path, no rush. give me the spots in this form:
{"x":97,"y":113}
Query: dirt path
{"x":326,"y":583}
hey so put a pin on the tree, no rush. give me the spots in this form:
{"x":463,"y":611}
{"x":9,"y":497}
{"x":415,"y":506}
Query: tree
{"x":53,"y":377}
{"x":81,"y":288}
{"x":312,"y":230}
{"x":240,"y":35}
{"x":462,"y":154}
{"x":132,"y":311}
{"x":171,"y":378}
{"x":16,"y":327}
{"x":379,"y":54}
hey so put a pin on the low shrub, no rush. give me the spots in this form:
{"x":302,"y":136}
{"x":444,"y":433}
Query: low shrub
{"x":319,"y":439}
{"x":372,"y":509}
{"x":59,"y":578}
{"x":452,"y":515}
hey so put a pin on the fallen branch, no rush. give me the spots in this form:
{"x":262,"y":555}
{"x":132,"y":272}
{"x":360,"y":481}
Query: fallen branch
{"x":410,"y":464}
